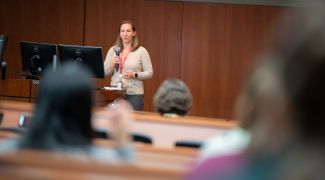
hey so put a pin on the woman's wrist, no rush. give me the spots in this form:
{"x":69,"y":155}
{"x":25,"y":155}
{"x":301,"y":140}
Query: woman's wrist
{"x":111,"y":66}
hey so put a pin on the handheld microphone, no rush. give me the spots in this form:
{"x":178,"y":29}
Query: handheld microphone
{"x":3,"y":44}
{"x":117,"y":52}
{"x":3,"y":70}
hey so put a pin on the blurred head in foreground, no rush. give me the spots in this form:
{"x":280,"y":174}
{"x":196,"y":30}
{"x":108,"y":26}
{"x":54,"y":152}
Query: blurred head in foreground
{"x":302,"y":48}
{"x":288,"y":107}
{"x":63,"y":110}
{"x":298,"y":50}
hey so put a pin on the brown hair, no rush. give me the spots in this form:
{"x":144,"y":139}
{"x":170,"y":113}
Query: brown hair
{"x":135,"y":41}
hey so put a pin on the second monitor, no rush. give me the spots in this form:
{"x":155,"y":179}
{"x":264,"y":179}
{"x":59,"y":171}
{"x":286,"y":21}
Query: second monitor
{"x":89,"y":55}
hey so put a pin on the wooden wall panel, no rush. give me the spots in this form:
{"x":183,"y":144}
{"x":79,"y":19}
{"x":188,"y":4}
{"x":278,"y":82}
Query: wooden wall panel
{"x":59,"y":21}
{"x":218,"y":48}
{"x":103,"y":18}
{"x":160,"y":32}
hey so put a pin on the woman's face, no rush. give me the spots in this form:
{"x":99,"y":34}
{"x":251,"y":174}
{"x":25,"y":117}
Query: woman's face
{"x":126,"y":33}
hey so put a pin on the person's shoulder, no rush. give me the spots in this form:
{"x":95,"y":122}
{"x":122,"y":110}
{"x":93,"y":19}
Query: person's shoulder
{"x":141,"y":48}
{"x":104,"y":154}
{"x":112,"y":48}
{"x":8,"y":145}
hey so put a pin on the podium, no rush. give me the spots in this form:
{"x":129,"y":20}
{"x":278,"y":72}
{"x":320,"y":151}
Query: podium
{"x":26,"y":90}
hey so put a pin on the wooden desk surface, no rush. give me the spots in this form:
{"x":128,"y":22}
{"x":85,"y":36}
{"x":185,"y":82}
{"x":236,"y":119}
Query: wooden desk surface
{"x":161,"y":157}
{"x":163,"y":131}
{"x":47,"y":165}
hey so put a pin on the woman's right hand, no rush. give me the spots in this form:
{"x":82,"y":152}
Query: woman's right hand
{"x":116,"y":60}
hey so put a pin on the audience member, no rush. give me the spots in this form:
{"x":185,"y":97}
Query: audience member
{"x":173,"y":98}
{"x":290,"y":132}
{"x":260,"y":89}
{"x":304,"y":76}
{"x":62,"y":118}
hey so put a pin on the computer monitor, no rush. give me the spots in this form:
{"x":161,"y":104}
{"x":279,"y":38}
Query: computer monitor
{"x":36,"y":57}
{"x":91,"y":56}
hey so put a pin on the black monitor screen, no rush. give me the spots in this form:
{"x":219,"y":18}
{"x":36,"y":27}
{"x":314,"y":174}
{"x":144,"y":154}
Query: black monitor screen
{"x":89,"y":55}
{"x":36,"y":57}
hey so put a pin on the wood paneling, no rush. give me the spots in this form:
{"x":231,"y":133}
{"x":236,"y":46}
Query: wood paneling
{"x":159,"y":26}
{"x":19,"y":88}
{"x":208,"y":45}
{"x":59,"y":21}
{"x":218,"y":48}
{"x":103,"y":18}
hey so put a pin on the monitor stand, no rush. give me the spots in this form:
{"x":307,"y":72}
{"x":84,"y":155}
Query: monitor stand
{"x":30,"y":76}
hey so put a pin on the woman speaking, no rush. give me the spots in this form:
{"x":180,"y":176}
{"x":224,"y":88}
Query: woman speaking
{"x":129,"y":63}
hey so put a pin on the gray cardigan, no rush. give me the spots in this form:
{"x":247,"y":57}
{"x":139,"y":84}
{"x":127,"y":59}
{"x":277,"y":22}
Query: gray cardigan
{"x":137,"y":61}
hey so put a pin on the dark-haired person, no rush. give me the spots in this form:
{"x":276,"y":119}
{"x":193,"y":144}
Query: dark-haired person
{"x":134,"y":64}
{"x":62,"y":118}
{"x":173,"y":98}
{"x":63,"y":110}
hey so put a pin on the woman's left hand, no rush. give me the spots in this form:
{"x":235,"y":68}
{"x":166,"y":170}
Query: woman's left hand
{"x":129,"y":75}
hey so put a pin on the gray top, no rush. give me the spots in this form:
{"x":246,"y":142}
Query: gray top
{"x":137,"y":61}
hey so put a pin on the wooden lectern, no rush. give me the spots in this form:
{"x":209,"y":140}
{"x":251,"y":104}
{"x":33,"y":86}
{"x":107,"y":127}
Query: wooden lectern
{"x":26,"y":90}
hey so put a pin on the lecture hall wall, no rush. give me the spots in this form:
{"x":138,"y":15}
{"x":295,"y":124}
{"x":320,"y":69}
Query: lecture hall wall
{"x":210,"y":46}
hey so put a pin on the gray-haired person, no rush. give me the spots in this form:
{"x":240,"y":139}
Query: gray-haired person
{"x":173,"y":98}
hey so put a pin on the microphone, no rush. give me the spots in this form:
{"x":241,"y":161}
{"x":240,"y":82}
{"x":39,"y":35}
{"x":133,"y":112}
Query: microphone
{"x":117,"y":52}
{"x":3,"y":44}
{"x":3,"y":70}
